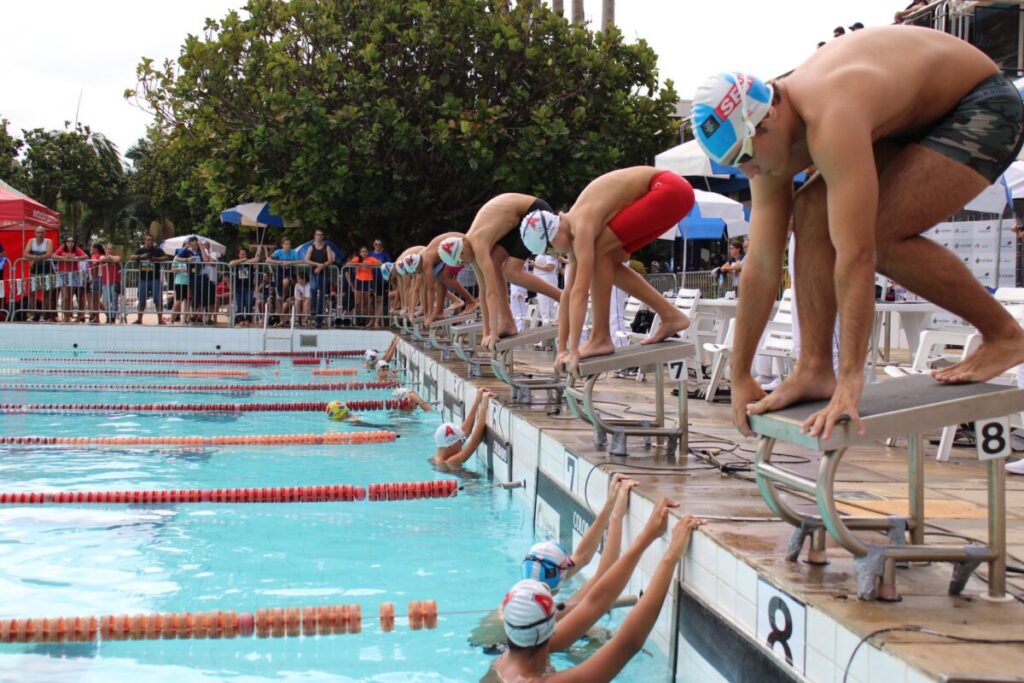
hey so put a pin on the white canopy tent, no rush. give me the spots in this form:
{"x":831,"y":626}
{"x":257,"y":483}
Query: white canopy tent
{"x":714,"y":205}
{"x":688,"y":159}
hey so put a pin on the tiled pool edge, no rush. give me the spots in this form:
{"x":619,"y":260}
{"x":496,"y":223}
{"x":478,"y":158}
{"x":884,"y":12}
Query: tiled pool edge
{"x":720,"y":589}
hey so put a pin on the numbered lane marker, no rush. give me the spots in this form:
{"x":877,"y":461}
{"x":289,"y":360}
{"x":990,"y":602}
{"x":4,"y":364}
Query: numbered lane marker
{"x":993,"y":437}
{"x":781,"y":624}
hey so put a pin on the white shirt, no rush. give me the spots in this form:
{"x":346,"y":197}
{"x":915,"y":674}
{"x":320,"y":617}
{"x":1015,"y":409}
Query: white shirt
{"x":549,"y":276}
{"x":301,"y":291}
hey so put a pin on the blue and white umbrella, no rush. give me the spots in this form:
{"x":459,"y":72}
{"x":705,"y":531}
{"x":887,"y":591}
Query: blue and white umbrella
{"x":257,"y":215}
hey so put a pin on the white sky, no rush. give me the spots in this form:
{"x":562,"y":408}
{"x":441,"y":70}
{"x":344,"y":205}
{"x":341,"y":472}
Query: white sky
{"x":55,"y":49}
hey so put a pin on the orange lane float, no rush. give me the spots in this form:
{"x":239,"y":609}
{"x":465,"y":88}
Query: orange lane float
{"x":205,"y":388}
{"x":331,"y":438}
{"x":173,"y":361}
{"x":133,"y":373}
{"x":263,"y":623}
{"x":336,"y":371}
{"x":282,"y":494}
{"x":280,"y":407}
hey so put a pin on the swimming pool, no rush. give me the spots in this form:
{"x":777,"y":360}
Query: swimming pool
{"x":72,"y":560}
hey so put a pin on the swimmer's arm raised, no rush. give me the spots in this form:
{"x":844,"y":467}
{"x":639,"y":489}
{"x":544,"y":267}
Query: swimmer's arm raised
{"x":587,"y":546}
{"x":477,"y":435}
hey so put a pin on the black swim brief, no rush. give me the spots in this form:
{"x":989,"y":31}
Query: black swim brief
{"x":984,"y":131}
{"x":512,"y":242}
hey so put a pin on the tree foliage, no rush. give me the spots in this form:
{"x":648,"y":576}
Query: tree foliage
{"x":399,"y":119}
{"x":79,"y":173}
{"x":11,"y":171}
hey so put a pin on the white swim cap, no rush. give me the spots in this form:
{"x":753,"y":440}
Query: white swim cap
{"x":450,"y":251}
{"x":726,"y":110}
{"x":386,"y":269}
{"x":371,"y":354}
{"x":547,"y":562}
{"x":382,"y":364}
{"x":529,"y":613}
{"x":538,"y":229}
{"x":447,"y":435}
{"x":400,"y":267}
{"x":411,"y":263}
{"x":401,"y":392}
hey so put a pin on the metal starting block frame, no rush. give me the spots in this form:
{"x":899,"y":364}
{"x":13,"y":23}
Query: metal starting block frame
{"x":416,"y":328}
{"x":522,"y":385}
{"x":440,"y":333}
{"x":912,"y":406}
{"x":465,"y":344}
{"x":648,"y":357}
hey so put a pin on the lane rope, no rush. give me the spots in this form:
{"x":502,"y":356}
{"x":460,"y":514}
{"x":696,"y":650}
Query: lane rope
{"x":206,"y":388}
{"x":295,"y":406}
{"x":233,"y":440}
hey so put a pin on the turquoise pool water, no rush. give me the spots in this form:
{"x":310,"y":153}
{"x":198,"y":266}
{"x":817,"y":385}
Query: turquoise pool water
{"x":112,"y":559}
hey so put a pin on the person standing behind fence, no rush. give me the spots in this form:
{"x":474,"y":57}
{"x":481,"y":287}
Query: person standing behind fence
{"x":149,"y":257}
{"x":365,"y":276}
{"x":380,"y":287}
{"x":69,"y":277}
{"x":320,"y":257}
{"x":103,"y":271}
{"x":244,"y":276}
{"x":39,"y":251}
{"x":283,"y":259}
{"x":545,"y":266}
{"x":3,"y":283}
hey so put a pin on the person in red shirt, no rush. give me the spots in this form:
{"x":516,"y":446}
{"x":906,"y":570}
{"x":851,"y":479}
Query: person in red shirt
{"x":104,"y":274}
{"x":69,"y":277}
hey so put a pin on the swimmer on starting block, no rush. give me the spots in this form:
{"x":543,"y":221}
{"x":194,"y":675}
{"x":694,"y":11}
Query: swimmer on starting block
{"x":454,"y":447}
{"x":905,"y":125}
{"x":494,"y":248}
{"x":615,"y":215}
{"x":530,"y":613}
{"x":408,"y":283}
{"x":438,"y":279}
{"x":550,"y":563}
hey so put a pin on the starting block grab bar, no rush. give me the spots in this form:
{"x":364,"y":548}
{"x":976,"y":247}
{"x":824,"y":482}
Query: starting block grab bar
{"x":523,"y":387}
{"x":440,"y":336}
{"x":911,"y":406}
{"x":651,"y":357}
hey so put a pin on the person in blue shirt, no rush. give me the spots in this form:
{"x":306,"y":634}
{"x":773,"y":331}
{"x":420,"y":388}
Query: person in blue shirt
{"x":379,"y":287}
{"x":283,"y":259}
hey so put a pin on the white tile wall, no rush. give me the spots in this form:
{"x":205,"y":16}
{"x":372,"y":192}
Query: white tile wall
{"x":552,"y":458}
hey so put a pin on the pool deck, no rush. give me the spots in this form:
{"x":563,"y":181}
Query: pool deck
{"x":876,"y":479}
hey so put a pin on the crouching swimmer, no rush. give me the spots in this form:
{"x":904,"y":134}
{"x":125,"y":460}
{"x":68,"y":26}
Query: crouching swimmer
{"x":453,"y":446}
{"x":533,"y":629}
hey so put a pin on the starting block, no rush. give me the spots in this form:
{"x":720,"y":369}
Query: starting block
{"x":466,"y":343}
{"x":416,"y":328}
{"x":440,"y":333}
{"x":523,"y":386}
{"x":649,"y":357}
{"x":910,"y":406}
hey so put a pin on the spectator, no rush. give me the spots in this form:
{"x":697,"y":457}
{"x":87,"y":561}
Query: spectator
{"x":149,"y":257}
{"x":181,"y":289}
{"x":856,"y":26}
{"x":364,"y":286}
{"x":301,"y":297}
{"x":655,"y":267}
{"x":545,"y":266}
{"x":103,"y":282}
{"x":637,"y":265}
{"x":838,"y":31}
{"x":283,"y":260}
{"x":911,"y":8}
{"x":266,"y":296}
{"x":380,"y":288}
{"x":207,"y":281}
{"x":379,"y":252}
{"x":222,"y":293}
{"x":69,"y":278}
{"x":244,"y":272}
{"x":39,"y":252}
{"x":320,"y":257}
{"x":3,"y":283}
{"x":734,"y":264}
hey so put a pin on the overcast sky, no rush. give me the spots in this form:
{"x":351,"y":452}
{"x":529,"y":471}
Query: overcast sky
{"x":55,"y":50}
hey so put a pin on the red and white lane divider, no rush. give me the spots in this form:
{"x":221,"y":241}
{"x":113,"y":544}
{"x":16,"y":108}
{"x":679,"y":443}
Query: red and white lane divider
{"x":280,"y":407}
{"x":205,"y":388}
{"x":233,"y":440}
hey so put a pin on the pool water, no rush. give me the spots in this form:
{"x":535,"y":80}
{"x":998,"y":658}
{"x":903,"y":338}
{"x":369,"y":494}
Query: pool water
{"x":74,"y":560}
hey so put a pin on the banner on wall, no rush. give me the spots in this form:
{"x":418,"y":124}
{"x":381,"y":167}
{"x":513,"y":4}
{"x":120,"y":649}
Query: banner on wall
{"x":499,"y":456}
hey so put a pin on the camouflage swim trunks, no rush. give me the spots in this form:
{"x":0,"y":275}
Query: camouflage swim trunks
{"x":984,"y":131}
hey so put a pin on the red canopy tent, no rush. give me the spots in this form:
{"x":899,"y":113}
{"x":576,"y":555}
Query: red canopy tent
{"x":20,"y":215}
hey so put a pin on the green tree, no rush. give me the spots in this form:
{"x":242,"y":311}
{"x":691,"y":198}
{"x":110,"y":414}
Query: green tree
{"x":373,"y":117}
{"x":79,"y":173}
{"x":11,"y":171}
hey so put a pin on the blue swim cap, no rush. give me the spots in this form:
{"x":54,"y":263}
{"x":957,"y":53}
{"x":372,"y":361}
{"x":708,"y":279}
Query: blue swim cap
{"x":725,"y":111}
{"x":547,"y":562}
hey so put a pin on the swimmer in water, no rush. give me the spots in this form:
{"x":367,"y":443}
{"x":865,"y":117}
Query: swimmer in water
{"x":409,"y":400}
{"x":530,"y":614}
{"x":454,"y":447}
{"x":384,"y":372}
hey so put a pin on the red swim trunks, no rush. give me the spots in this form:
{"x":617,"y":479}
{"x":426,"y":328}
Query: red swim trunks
{"x":668,"y":199}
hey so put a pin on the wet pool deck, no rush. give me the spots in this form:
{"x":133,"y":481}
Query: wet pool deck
{"x":875,"y":476}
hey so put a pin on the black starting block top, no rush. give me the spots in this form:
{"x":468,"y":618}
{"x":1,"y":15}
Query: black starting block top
{"x":534,"y":335}
{"x":636,"y":355}
{"x":897,"y":407}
